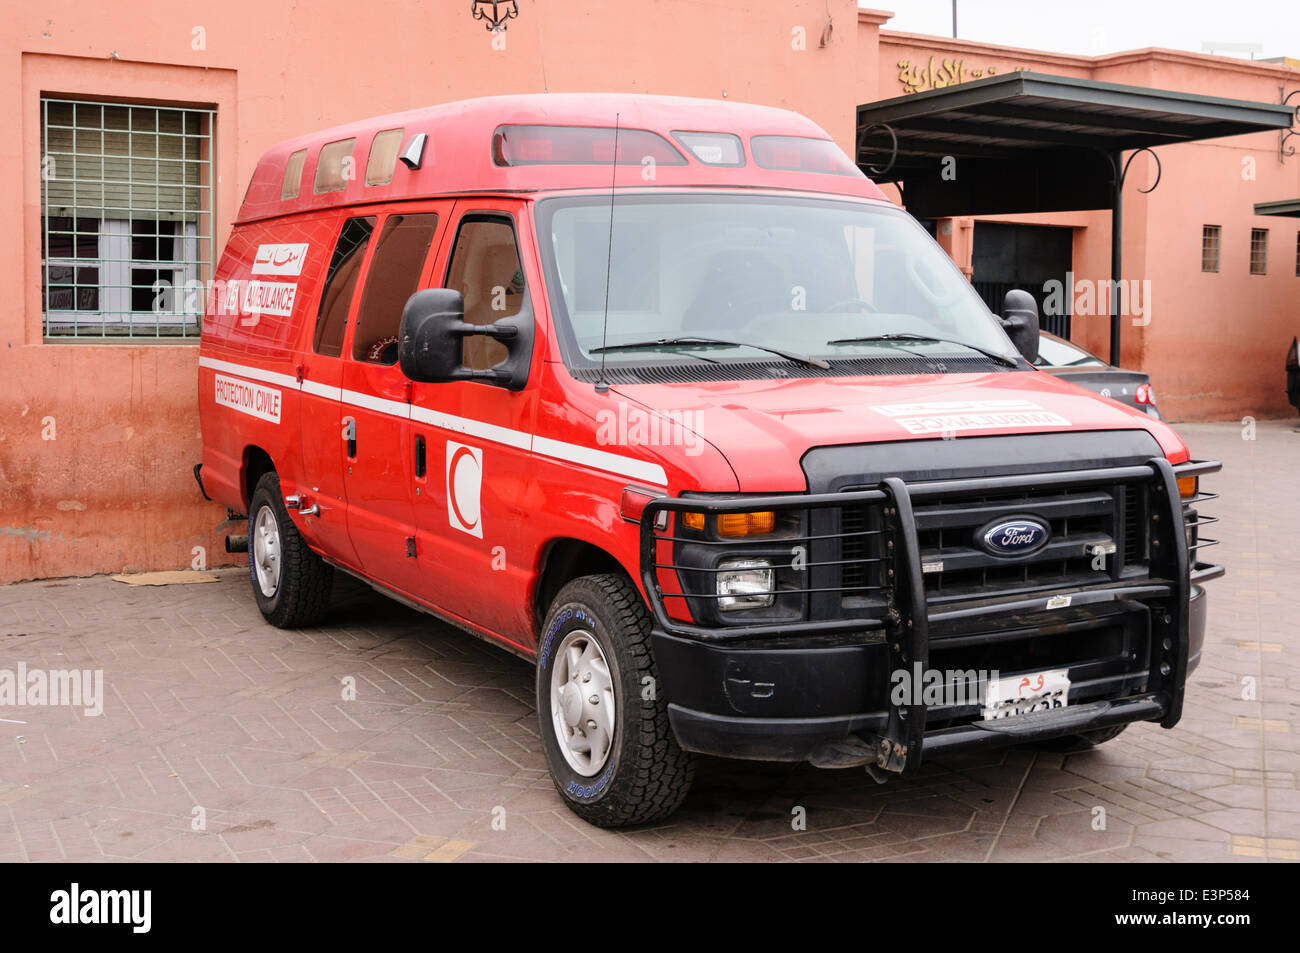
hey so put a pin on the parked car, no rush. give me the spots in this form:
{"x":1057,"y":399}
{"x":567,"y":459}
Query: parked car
{"x":1068,"y":361}
{"x":665,"y":396}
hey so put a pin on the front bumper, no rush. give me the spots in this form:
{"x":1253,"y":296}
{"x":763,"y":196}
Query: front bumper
{"x":819,"y":691}
{"x":785,"y":704}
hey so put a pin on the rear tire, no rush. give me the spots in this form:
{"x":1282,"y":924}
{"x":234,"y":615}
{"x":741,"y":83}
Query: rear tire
{"x":290,"y":582}
{"x":604,"y":720}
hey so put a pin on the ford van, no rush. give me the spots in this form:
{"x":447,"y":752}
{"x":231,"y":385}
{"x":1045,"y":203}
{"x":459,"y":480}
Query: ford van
{"x":664,"y":396}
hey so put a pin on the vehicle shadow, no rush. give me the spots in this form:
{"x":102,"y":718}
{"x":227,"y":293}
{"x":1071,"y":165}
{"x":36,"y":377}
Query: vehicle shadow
{"x":767,"y":805}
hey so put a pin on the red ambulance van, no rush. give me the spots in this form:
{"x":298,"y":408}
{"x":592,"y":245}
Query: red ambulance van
{"x":663,"y":395}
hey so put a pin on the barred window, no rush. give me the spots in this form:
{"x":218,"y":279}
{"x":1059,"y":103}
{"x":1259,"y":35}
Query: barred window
{"x":1209,"y":248}
{"x":126,"y":213}
{"x":1259,"y":251}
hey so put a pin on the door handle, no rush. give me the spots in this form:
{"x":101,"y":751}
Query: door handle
{"x":350,"y":435}
{"x":420,"y":464}
{"x":300,"y":503}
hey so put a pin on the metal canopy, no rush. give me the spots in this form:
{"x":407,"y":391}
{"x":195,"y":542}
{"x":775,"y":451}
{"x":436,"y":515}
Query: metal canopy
{"x":1023,"y":118}
{"x":1288,"y":207}
{"x":1030,"y":142}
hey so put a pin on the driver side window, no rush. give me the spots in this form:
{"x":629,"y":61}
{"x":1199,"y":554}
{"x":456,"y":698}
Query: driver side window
{"x":486,"y":270}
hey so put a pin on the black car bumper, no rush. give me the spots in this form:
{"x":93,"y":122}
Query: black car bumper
{"x":821,"y":691}
{"x":801,"y":704}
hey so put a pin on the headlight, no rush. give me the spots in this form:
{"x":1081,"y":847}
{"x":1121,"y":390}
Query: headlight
{"x":745,"y":584}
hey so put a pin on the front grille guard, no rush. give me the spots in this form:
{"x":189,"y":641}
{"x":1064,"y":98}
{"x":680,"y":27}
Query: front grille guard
{"x":1175,"y":568}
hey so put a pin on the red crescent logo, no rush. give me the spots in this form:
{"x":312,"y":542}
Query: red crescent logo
{"x":451,"y":496}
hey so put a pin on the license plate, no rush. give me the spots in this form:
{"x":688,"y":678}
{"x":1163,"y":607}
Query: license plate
{"x":1023,"y":694}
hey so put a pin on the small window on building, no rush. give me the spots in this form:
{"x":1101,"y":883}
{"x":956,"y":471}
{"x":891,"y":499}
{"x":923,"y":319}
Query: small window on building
{"x":485,"y":269}
{"x":293,"y":175}
{"x":126,"y":219}
{"x":394,"y":276}
{"x":335,"y":167}
{"x":713,"y":148}
{"x":383,"y":156}
{"x":340,"y":282}
{"x":1210,"y":247}
{"x":1259,"y":251}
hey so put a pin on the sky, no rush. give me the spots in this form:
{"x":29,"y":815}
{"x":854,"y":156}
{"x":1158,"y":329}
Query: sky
{"x":1094,"y":27}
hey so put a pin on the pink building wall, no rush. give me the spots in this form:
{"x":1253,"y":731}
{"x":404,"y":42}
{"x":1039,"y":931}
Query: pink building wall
{"x":113,"y":491}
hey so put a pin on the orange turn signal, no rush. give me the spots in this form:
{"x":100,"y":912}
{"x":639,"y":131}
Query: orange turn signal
{"x":1187,"y":486}
{"x":746,"y":524}
{"x":693,"y":521}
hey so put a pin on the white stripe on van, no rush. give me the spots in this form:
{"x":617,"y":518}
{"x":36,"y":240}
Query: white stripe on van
{"x":473,"y":428}
{"x":381,"y":405}
{"x":322,"y":390}
{"x":635,"y":469}
{"x":253,"y":373}
{"x":601,"y":460}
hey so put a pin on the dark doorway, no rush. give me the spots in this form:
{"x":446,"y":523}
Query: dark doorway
{"x":1025,"y":257}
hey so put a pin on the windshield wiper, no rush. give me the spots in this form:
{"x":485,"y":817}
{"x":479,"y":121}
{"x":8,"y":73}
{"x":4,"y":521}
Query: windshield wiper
{"x":909,"y":336}
{"x":646,"y":345}
{"x":712,"y":342}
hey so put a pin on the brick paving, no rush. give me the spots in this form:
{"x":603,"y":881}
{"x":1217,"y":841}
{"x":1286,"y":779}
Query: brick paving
{"x":224,"y":739}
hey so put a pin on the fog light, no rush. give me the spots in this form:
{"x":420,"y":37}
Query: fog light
{"x":745,"y":584}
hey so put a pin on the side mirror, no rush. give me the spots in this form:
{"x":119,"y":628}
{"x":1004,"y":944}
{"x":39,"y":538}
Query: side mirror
{"x":1020,"y":321}
{"x":431,"y":344}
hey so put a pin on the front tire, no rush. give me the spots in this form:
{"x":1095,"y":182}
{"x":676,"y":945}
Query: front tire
{"x":290,"y":582}
{"x":604,"y":721}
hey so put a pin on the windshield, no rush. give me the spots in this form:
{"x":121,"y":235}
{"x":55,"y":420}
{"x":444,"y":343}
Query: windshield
{"x":714,"y":278}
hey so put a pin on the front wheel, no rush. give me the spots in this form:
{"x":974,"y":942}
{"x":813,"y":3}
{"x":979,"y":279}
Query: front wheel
{"x":290,"y":582}
{"x":604,"y":721}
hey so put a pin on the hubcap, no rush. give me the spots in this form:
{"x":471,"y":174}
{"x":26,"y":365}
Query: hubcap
{"x":582,"y":703}
{"x":265,"y":551}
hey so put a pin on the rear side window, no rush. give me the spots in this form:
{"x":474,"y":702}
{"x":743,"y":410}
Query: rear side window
{"x":713,"y":148}
{"x":335,"y":167}
{"x":485,"y":269}
{"x":798,"y":154}
{"x":340,"y":282}
{"x":393,"y":277}
{"x":383,"y":157}
{"x":580,"y":145}
{"x":292,"y":175}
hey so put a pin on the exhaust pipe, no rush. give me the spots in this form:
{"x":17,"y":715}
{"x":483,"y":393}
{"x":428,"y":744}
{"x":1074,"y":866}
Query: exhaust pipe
{"x":236,"y":544}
